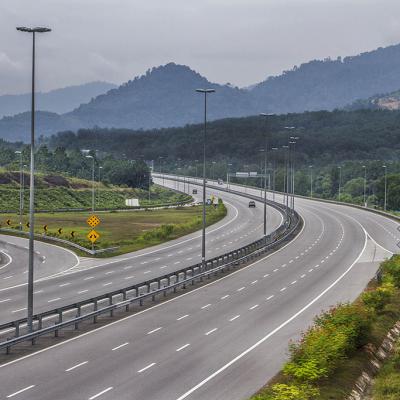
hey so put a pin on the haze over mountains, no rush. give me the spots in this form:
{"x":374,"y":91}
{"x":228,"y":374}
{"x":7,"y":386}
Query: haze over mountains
{"x":57,"y":101}
{"x":165,"y":96}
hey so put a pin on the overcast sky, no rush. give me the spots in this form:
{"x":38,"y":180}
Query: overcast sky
{"x":237,"y":41}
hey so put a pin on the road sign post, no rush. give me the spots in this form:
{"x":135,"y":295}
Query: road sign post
{"x":93,"y":221}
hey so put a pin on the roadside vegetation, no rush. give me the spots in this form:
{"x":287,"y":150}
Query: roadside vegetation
{"x":127,"y":230}
{"x":331,"y":354}
{"x":54,"y":192}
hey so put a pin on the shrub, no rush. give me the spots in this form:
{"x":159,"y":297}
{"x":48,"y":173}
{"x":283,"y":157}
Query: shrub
{"x":376,"y":300}
{"x":335,"y":334}
{"x":392,"y":268}
{"x":281,"y":391}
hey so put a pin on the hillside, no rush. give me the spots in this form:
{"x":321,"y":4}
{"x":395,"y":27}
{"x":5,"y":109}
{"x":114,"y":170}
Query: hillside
{"x":324,"y":137}
{"x":165,"y":96}
{"x":388,"y":101}
{"x":58,"y":101}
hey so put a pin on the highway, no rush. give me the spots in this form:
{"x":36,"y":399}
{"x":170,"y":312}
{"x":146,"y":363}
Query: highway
{"x":223,"y":340}
{"x":88,"y":277}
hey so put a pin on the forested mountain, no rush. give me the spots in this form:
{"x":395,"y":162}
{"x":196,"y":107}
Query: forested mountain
{"x":330,"y":84}
{"x":165,"y":96}
{"x":58,"y":101}
{"x":325,"y":137}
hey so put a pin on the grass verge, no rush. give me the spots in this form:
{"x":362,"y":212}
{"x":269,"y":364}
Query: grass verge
{"x":129,"y":230}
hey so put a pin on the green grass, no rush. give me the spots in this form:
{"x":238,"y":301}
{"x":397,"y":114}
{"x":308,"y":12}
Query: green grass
{"x":129,"y":230}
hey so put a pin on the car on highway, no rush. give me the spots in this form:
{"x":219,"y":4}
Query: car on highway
{"x":220,"y":181}
{"x":252,"y":204}
{"x":194,"y":191}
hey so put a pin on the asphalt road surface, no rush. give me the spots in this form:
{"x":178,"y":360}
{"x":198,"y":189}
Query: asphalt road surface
{"x":223,"y":340}
{"x":85,"y":278}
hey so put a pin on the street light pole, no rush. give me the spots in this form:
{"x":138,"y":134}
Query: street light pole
{"x":340,"y":181}
{"x":385,"y":201}
{"x":203,"y":236}
{"x":92,"y":181}
{"x":32,"y":180}
{"x":365,"y":185}
{"x":311,"y":180}
{"x":264,"y":115}
{"x":98,"y":189}
{"x":20,"y":188}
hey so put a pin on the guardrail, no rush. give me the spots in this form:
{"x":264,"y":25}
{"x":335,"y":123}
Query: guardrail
{"x":160,"y":285}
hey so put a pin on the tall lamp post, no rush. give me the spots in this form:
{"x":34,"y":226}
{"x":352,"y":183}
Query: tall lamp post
{"x":311,"y":180}
{"x":340,"y":181}
{"x":33,"y":31}
{"x":385,"y":200}
{"x":273,"y":173}
{"x":365,"y":185}
{"x":92,"y":181}
{"x":203,"y":236}
{"x":264,"y":115}
{"x":286,"y":178}
{"x":98,"y":189}
{"x":20,"y":188}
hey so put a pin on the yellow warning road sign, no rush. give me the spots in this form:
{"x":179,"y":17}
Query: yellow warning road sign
{"x":93,"y":221}
{"x":93,"y":235}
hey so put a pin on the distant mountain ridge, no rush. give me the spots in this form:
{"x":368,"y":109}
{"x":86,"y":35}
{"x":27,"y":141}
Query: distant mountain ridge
{"x":58,"y":101}
{"x":165,"y":96}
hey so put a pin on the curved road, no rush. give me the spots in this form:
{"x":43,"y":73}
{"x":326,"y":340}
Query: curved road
{"x":93,"y":277}
{"x":223,"y":340}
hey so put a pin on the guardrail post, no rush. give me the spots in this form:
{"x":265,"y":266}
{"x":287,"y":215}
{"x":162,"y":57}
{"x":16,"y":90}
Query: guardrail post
{"x":60,"y":317}
{"x":40,"y":322}
{"x":95,"y":309}
{"x":78,"y":314}
{"x":110,"y":302}
{"x":16,"y":325}
{"x":56,"y":331}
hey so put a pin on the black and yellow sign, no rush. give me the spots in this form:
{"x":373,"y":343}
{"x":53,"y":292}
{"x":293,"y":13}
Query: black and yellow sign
{"x":45,"y":228}
{"x":8,"y":222}
{"x":28,"y":224}
{"x":59,"y":231}
{"x":93,"y":221}
{"x":93,"y":235}
{"x":72,"y":234}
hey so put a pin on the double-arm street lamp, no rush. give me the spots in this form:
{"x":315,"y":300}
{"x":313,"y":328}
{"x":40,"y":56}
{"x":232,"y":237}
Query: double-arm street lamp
{"x":264,"y":115}
{"x":33,"y":31}
{"x":20,"y":188}
{"x":92,"y":181}
{"x":385,"y":200}
{"x":365,"y":185}
{"x":203,"y":236}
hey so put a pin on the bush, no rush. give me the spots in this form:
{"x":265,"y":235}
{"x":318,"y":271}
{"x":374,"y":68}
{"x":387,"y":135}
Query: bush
{"x":290,"y":392}
{"x":392,"y":268}
{"x":336,"y":333}
{"x":376,"y":300}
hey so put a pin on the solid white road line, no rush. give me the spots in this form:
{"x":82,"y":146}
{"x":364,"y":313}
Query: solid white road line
{"x":278,"y":328}
{"x":20,"y":391}
{"x":76,"y":366}
{"x":101,"y":393}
